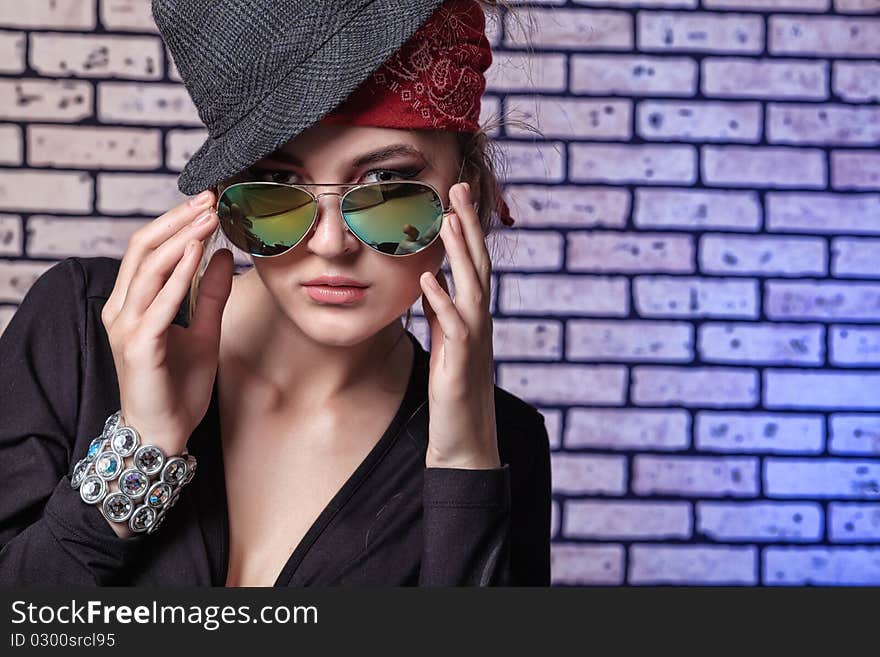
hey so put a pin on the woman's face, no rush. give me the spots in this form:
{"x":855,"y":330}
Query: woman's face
{"x":329,"y":153}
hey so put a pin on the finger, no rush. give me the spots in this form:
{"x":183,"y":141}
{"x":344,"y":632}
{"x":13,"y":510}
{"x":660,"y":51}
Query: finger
{"x":448,"y":317}
{"x":213,"y":293}
{"x":148,"y":238}
{"x":158,"y":317}
{"x":473,"y":233}
{"x":469,"y":294}
{"x":155,"y":269}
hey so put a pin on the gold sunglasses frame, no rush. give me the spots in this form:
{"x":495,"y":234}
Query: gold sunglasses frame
{"x":353,"y":187}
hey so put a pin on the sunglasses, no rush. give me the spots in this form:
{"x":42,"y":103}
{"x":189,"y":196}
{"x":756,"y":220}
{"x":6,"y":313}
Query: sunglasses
{"x":267,"y":219}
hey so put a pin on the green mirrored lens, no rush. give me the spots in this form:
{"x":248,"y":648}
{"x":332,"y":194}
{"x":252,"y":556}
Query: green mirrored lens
{"x":397,"y":218}
{"x":266,"y":219}
{"x":263,"y":218}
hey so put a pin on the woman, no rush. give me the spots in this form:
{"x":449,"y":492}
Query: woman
{"x":331,"y":448}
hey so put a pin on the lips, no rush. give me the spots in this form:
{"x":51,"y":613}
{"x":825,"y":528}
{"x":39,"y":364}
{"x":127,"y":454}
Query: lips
{"x":336,"y":281}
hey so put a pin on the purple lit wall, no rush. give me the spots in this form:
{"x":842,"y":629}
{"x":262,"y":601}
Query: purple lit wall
{"x":691,"y":294}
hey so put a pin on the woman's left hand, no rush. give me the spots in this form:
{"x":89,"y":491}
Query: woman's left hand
{"x":461,"y":386}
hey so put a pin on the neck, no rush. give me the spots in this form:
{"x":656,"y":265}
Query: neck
{"x":296,"y":371}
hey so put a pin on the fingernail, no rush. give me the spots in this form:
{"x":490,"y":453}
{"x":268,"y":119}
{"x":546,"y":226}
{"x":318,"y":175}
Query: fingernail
{"x":204,"y":218}
{"x":202,"y":199}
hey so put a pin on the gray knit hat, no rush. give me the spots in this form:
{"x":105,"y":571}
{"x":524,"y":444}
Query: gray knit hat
{"x":261,"y":71}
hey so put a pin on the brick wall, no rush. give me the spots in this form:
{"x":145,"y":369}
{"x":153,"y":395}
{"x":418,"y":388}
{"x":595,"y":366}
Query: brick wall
{"x":691,"y":294}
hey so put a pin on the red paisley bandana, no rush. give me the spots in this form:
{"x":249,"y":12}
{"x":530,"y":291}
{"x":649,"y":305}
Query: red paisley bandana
{"x":435,"y":81}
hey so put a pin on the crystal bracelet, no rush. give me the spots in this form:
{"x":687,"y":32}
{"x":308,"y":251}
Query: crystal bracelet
{"x":147,"y":488}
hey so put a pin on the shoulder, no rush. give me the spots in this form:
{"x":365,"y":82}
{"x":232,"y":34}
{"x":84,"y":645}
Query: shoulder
{"x":99,"y":274}
{"x":522,"y":433}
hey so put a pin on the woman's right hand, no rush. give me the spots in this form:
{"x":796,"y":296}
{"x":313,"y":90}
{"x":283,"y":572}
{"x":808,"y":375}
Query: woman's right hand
{"x":166,"y":372}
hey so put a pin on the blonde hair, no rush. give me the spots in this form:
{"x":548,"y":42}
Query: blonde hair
{"x":483,"y":168}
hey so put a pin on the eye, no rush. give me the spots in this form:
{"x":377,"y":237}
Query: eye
{"x":392,"y":174}
{"x":289,"y":177}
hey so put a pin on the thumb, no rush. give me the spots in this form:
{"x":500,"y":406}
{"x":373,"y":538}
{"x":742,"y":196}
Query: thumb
{"x":213,"y":293}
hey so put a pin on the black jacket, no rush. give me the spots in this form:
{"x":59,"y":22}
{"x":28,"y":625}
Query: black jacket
{"x":394,"y":522}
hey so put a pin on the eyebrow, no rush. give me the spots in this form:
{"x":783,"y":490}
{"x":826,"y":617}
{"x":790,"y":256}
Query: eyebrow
{"x":368,"y":158}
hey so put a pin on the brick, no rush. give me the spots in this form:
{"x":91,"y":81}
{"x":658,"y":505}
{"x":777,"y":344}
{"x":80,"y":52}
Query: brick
{"x":854,"y":433}
{"x":150,"y":104}
{"x":586,"y":565}
{"x":572,"y":28}
{"x":526,"y":339}
{"x":570,"y":118}
{"x":855,"y":170}
{"x":763,"y":166}
{"x":637,"y":163}
{"x":490,"y":110}
{"x":769,"y":5}
{"x":568,"y":205}
{"x":17,"y":277}
{"x":613,"y":251}
{"x":553,"y":423}
{"x":11,"y":240}
{"x":29,"y":99}
{"x":692,"y":564}
{"x":85,"y":147}
{"x":56,"y":237}
{"x":22,"y":190}
{"x":684,"y":4}
{"x":752,"y":255}
{"x":633,"y":75}
{"x":11,"y":148}
{"x":691,"y":296}
{"x":760,"y":521}
{"x":857,"y":6}
{"x":180,"y":145}
{"x":532,"y":251}
{"x":735,"y":77}
{"x":141,"y":193}
{"x":533,"y":162}
{"x":853,"y":522}
{"x":694,"y":386}
{"x":626,"y":520}
{"x":11,"y":51}
{"x":762,"y":343}
{"x":48,"y":14}
{"x":126,"y":15}
{"x":588,"y":474}
{"x":853,"y":256}
{"x":855,"y":345}
{"x":97,"y":55}
{"x":629,"y":340}
{"x":816,"y":212}
{"x":695,"y":475}
{"x":815,"y":478}
{"x":546,"y":294}
{"x":697,"y":209}
{"x":6,"y":313}
{"x":724,"y":431}
{"x":810,"y":389}
{"x":823,"y":35}
{"x":629,"y":428}
{"x":856,"y":81}
{"x":822,"y":300}
{"x":823,"y":124}
{"x":700,"y":32}
{"x":516,"y":72}
{"x":699,"y":121}
{"x":554,"y":518}
{"x":565,"y":383}
{"x":801,"y":566}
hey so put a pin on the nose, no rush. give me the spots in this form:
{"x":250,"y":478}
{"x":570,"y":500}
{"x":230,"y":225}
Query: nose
{"x":331,"y":236}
